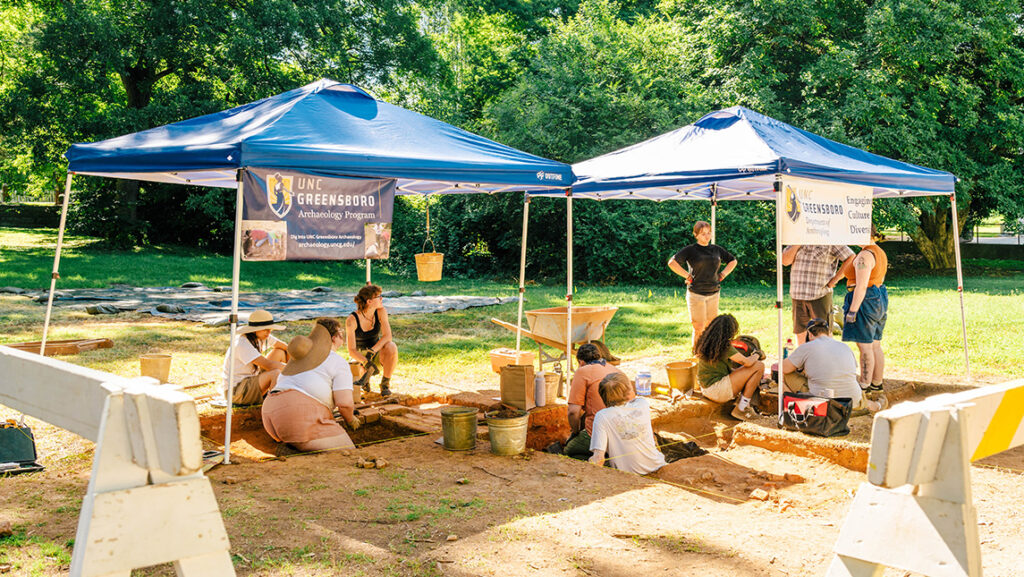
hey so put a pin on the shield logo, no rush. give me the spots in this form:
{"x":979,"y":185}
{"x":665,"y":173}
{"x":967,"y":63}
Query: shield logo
{"x":279,"y":194}
{"x":792,"y":204}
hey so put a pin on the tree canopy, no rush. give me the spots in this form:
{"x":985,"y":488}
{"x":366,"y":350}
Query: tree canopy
{"x":932,"y":82}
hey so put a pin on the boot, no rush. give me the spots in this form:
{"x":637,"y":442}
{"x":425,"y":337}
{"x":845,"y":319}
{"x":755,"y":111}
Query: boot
{"x":364,"y":381}
{"x":385,"y":390}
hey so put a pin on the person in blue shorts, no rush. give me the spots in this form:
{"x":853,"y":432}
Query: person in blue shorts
{"x":865,"y":310}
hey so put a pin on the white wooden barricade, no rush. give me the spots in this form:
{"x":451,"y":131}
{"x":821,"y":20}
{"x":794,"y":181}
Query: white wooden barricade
{"x":916,"y":511}
{"x":148,"y":501}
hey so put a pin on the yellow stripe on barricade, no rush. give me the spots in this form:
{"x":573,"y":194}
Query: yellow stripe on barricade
{"x":1004,"y":425}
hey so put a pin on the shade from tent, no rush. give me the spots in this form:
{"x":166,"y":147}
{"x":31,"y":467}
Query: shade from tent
{"x":736,"y":153}
{"x":325,"y":127}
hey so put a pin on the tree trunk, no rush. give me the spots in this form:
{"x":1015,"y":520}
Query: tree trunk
{"x":128,"y":193}
{"x":138,"y":86}
{"x":934,"y":236}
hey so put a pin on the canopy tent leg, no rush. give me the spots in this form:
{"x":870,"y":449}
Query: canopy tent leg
{"x":960,"y":282}
{"x":522,"y":272}
{"x":56,"y":262}
{"x":236,"y":267}
{"x":714,"y":211}
{"x":568,"y":284}
{"x":779,"y":209}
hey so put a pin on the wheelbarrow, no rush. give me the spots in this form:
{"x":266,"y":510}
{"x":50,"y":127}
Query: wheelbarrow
{"x":548,"y":327}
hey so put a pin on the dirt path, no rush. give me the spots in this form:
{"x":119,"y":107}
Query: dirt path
{"x":534,"y":515}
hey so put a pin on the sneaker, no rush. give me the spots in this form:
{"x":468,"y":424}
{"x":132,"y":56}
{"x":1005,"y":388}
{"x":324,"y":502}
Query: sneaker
{"x":744,"y":415}
{"x":872,"y":388}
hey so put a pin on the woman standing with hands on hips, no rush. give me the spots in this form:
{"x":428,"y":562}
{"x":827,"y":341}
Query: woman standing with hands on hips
{"x":699,"y":264}
{"x":368,"y":336}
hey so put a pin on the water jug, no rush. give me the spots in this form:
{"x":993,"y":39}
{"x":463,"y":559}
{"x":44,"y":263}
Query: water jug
{"x":539,"y":389}
{"x":643,"y":382}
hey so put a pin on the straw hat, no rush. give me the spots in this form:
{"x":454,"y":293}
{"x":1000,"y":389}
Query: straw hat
{"x":308,"y":352}
{"x":258,"y":321}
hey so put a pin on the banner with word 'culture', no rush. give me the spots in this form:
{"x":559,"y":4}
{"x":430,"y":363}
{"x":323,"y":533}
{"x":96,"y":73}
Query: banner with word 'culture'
{"x":292,"y":215}
{"x":821,"y":212}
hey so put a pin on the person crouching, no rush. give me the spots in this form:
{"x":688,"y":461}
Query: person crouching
{"x":298,"y":410}
{"x":622,"y":430}
{"x":723,"y":371}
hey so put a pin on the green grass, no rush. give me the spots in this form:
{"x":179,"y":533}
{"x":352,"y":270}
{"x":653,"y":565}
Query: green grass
{"x":923,"y":331}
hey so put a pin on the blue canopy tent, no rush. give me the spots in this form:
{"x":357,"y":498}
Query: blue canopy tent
{"x":327,"y":128}
{"x":739,"y":154}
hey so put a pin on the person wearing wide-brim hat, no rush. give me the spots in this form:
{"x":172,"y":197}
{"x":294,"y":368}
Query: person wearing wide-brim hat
{"x":256,"y":372}
{"x":299,"y":409}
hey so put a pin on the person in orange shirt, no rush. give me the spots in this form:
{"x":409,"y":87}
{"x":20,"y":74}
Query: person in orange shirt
{"x":585,"y":399}
{"x":865,"y":311}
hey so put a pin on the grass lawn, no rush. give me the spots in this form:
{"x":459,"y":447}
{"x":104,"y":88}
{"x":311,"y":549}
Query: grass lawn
{"x":922,"y":335}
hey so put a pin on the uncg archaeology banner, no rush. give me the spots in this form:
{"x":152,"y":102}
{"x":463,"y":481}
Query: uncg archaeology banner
{"x":828,"y":213}
{"x":289,"y":215}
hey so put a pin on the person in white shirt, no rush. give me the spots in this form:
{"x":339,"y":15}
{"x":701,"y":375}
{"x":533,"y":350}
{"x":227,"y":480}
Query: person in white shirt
{"x":622,"y":430}
{"x":299,"y":409}
{"x":255,"y":373}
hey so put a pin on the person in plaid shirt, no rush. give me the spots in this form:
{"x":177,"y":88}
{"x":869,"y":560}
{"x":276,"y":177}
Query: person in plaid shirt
{"x":811,"y":280}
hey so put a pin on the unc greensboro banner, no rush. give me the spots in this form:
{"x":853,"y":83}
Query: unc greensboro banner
{"x":290,"y":215}
{"x":828,"y":213}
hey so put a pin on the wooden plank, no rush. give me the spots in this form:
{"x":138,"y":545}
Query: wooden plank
{"x":60,"y":393}
{"x":151,"y":525}
{"x":64,"y":347}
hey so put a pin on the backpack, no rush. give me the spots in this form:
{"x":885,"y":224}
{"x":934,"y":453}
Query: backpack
{"x":748,"y":345}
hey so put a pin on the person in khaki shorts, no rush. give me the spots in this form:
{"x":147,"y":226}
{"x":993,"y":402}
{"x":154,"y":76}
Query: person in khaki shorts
{"x":256,"y":373}
{"x":811,"y":280}
{"x":723,"y":372}
{"x":699,"y":265}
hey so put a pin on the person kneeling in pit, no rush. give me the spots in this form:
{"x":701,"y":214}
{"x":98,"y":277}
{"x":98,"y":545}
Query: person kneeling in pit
{"x":826,"y":367}
{"x":298,"y":410}
{"x":622,"y":430}
{"x":723,"y":372}
{"x":585,"y":400}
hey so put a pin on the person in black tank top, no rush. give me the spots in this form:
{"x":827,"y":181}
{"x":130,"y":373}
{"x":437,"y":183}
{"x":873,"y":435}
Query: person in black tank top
{"x":701,"y":265}
{"x":368,"y":336}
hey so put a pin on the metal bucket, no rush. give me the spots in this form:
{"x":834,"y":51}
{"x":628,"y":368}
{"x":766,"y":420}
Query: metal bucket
{"x":682,"y":374}
{"x":459,"y":427}
{"x":155,"y":365}
{"x":508,"y":435}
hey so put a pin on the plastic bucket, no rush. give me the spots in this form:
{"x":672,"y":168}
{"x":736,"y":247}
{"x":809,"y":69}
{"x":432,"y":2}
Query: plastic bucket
{"x":155,"y":365}
{"x":508,"y":434}
{"x":501,"y":357}
{"x":428,"y":266}
{"x":682,"y":374}
{"x":551,"y":382}
{"x":459,"y":427}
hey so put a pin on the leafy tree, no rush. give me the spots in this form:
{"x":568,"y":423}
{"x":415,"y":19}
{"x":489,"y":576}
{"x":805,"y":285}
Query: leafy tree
{"x":597,"y":82}
{"x":932,"y":83}
{"x":939,"y":83}
{"x":93,"y":69}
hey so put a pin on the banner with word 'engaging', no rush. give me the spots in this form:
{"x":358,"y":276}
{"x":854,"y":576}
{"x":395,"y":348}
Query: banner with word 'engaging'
{"x":828,"y":213}
{"x":292,"y":215}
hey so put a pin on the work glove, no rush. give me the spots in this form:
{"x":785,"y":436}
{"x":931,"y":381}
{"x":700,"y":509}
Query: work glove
{"x":354,"y":423}
{"x":851,"y":317}
{"x":371,"y":359}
